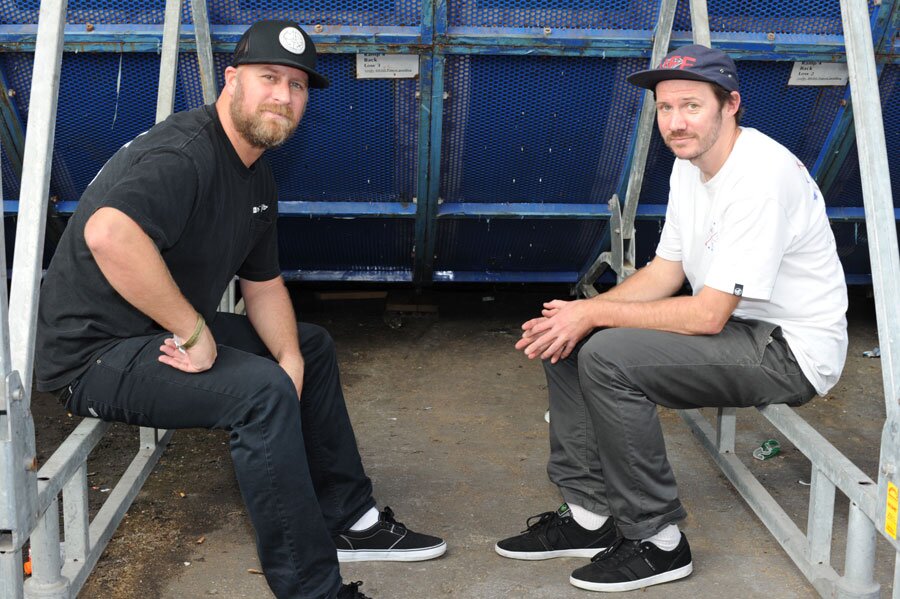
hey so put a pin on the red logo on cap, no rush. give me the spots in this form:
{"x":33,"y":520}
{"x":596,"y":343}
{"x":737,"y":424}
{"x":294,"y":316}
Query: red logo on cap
{"x":678,"y":62}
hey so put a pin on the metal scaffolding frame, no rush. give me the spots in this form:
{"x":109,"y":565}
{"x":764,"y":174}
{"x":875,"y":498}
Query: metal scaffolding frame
{"x":872,"y":508}
{"x":29,"y":498}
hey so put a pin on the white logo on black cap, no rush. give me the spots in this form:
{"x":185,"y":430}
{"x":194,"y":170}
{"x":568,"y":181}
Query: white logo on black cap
{"x":292,"y":40}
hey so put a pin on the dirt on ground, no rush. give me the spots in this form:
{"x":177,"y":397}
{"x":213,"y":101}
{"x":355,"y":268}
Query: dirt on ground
{"x":192,"y":491}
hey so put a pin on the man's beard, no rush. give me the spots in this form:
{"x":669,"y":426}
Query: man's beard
{"x":704,"y":143}
{"x":259,"y":131}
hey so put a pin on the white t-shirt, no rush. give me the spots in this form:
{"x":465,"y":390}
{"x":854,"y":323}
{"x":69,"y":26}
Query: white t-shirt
{"x":758,"y":229}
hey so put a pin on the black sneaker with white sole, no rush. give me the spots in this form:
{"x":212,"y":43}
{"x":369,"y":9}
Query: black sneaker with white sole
{"x":630,"y":565}
{"x":387,"y":541}
{"x":351,"y":591}
{"x":556,"y":534}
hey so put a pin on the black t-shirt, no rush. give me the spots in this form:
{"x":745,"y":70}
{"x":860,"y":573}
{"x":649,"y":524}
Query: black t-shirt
{"x":210,"y":216}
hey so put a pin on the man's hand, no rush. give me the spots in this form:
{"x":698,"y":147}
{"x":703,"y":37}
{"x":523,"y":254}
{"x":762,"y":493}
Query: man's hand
{"x":555,"y":334}
{"x":294,"y":368}
{"x":198,"y":358}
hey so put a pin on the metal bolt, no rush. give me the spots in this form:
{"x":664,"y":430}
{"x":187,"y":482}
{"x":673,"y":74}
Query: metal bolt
{"x":31,"y":464}
{"x":418,"y":94}
{"x":415,"y":200}
{"x":318,"y":29}
{"x":446,"y":95}
{"x":18,"y":394}
{"x":888,"y":469}
{"x":844,"y":102}
{"x":547,"y":31}
{"x":88,"y":26}
{"x":440,"y":201}
{"x":770,"y":36}
{"x":11,"y":93}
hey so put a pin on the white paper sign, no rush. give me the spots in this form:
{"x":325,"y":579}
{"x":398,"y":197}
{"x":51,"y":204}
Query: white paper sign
{"x":387,"y":66}
{"x":819,"y":73}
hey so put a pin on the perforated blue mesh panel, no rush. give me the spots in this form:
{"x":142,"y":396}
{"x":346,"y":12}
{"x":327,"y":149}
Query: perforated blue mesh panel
{"x":541,"y":130}
{"x":17,"y":72}
{"x":357,"y":141}
{"x":847,"y":190}
{"x":362,"y":13}
{"x":556,"y":14}
{"x":94,"y":117}
{"x":353,"y":244}
{"x":228,"y":12}
{"x":10,"y":180}
{"x":797,"y":117}
{"x":144,"y":12}
{"x":515,"y":245}
{"x":812,"y":17}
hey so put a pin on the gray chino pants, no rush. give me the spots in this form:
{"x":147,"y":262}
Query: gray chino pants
{"x":607,"y":452}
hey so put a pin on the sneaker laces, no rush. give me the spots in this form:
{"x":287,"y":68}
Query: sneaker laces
{"x":612,"y":552}
{"x":353,"y":587}
{"x":543,"y":522}
{"x":387,"y":515}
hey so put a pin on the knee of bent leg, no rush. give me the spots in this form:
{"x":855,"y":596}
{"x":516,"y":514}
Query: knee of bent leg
{"x":601,"y":354}
{"x":270,"y":392}
{"x":315,"y":341}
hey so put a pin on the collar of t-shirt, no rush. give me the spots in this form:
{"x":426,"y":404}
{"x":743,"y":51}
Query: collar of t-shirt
{"x":734,"y":157}
{"x":243,"y":170}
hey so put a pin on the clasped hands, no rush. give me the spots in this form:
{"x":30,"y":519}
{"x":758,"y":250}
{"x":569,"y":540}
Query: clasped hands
{"x":557,"y":331}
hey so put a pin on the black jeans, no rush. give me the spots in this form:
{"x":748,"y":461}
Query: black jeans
{"x":297,"y":463}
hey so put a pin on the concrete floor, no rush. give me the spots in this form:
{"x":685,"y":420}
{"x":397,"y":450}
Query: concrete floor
{"x":449,"y":421}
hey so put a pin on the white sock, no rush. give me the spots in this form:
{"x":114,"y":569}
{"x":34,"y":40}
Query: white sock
{"x":368,"y":520}
{"x":585,"y":519}
{"x":667,"y":539}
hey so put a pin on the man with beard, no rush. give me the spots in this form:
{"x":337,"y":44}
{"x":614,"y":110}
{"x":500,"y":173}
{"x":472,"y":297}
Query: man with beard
{"x":128,"y":329}
{"x":746,"y":226}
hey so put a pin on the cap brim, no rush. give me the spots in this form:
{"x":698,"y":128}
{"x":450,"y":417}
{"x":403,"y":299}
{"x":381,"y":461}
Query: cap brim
{"x":648,"y":79}
{"x":316,"y":80}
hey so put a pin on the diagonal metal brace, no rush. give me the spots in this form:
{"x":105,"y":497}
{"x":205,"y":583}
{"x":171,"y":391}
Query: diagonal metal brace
{"x":620,"y":257}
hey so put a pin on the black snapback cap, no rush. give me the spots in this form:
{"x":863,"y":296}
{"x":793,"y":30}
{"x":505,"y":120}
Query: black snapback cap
{"x":282,"y":43}
{"x":695,"y":62}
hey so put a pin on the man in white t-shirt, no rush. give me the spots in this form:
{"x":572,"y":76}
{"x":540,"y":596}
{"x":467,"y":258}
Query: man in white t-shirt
{"x":746,"y":227}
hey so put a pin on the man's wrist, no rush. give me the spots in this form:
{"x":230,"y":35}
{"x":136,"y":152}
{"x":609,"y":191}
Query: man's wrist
{"x":192,"y":340}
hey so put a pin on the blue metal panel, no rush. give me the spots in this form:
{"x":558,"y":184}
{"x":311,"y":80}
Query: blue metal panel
{"x":548,"y":130}
{"x":332,"y":12}
{"x":346,"y":209}
{"x":812,"y":17}
{"x":11,"y":130}
{"x":558,"y":14}
{"x":432,"y":78}
{"x":353,"y":13}
{"x":357,"y":141}
{"x":847,"y":188}
{"x":514,"y":245}
{"x":348,"y":244}
{"x":511,"y":172}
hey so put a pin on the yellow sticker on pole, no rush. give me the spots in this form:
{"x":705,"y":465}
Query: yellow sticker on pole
{"x":890,"y":513}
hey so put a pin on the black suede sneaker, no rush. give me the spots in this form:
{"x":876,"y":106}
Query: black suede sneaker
{"x":351,"y":591}
{"x":387,"y":541}
{"x":556,"y":534}
{"x":630,"y":565}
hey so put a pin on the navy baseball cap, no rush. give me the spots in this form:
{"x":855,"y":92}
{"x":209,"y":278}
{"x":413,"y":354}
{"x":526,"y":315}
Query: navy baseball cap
{"x":282,"y":43}
{"x":695,"y":62}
